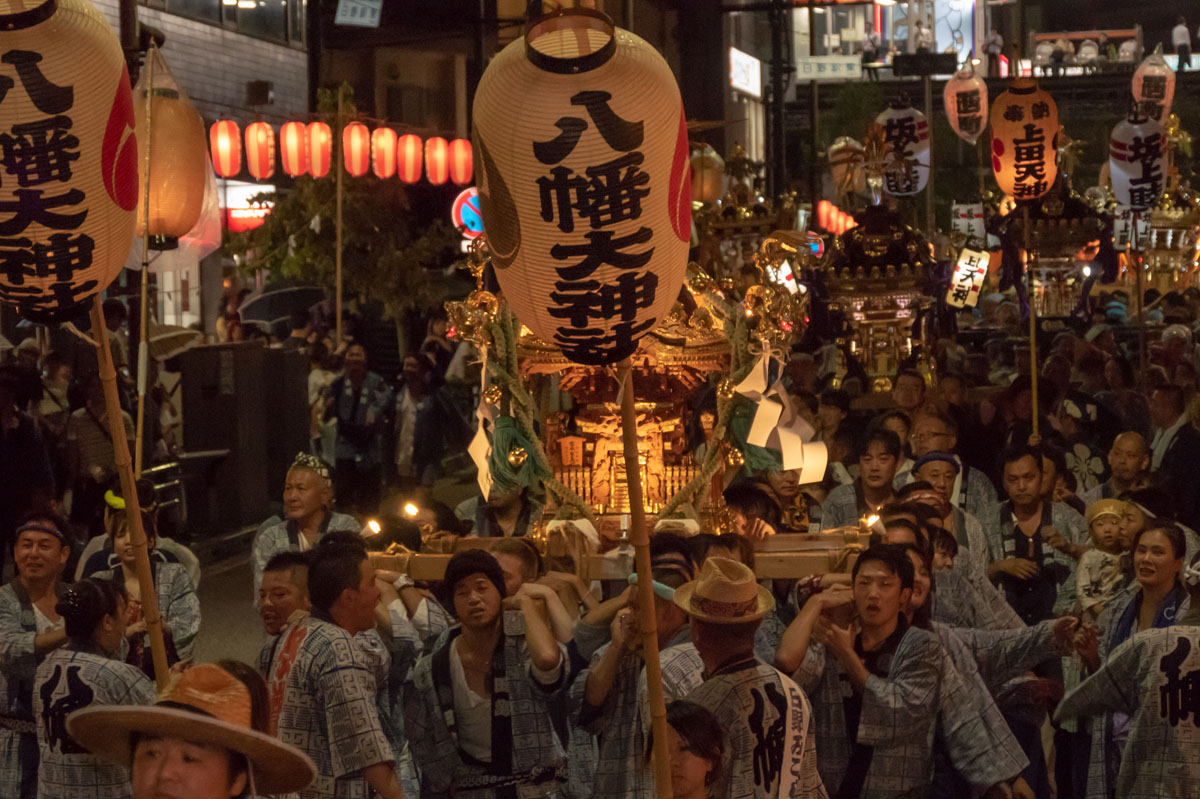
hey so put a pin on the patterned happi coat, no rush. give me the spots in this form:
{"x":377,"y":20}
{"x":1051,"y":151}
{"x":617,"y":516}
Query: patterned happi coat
{"x":283,"y":536}
{"x":177,"y":602}
{"x":1154,"y":677}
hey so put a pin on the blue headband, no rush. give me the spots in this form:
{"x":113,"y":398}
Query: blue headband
{"x":936,"y":456}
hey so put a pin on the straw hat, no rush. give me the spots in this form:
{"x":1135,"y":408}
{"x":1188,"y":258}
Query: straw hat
{"x":725,"y":593}
{"x":205,"y":705}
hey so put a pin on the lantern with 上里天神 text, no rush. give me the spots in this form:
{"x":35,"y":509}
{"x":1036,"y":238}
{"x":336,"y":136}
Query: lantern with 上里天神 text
{"x":437,"y":160}
{"x":1137,"y":161}
{"x":581,"y":155}
{"x":320,"y":149}
{"x":1154,"y":86}
{"x":68,"y":157}
{"x":1024,"y":140}
{"x":356,"y":149}
{"x":225,"y":143}
{"x":260,"y":150}
{"x":383,"y":152}
{"x":461,"y":162}
{"x":172,"y":173}
{"x":410,"y":156}
{"x":293,"y":148}
{"x":965,"y":99}
{"x":906,"y":134}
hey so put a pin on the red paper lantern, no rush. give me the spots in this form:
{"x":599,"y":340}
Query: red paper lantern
{"x":461,"y":164}
{"x":260,"y":150}
{"x":356,"y":149}
{"x":225,"y":142}
{"x":409,"y":157}
{"x":383,"y":152}
{"x":437,"y":160}
{"x":293,"y":148}
{"x":320,"y":145}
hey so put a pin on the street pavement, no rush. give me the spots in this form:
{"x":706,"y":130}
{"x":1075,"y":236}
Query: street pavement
{"x":229,"y":626}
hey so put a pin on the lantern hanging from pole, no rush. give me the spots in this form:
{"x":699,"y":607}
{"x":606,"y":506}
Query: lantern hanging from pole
{"x":293,"y":148}
{"x":356,"y":149}
{"x":225,"y":144}
{"x":260,"y":150}
{"x":410,"y":156}
{"x":70,"y":218}
{"x":461,"y":162}
{"x":1137,"y":161}
{"x":320,"y":147}
{"x":383,"y":152}
{"x":708,"y":175}
{"x":1154,"y":86}
{"x":906,"y":135}
{"x":582,"y":164}
{"x":965,"y":99}
{"x":1024,"y":140}
{"x":437,"y":160}
{"x":177,"y":167}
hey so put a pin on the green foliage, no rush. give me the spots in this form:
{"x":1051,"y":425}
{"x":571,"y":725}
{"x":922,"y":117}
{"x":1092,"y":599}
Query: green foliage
{"x":855,"y":108}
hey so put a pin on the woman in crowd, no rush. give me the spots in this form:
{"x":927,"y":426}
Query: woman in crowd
{"x":697,"y":746}
{"x":86,"y":671}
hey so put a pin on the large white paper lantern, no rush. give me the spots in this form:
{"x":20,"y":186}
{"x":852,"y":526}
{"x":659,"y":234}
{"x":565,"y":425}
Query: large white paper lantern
{"x":68,"y":157}
{"x":906,"y":133}
{"x":1024,"y":140}
{"x":581,"y":157}
{"x":966,"y":101}
{"x":1154,"y":86}
{"x":1137,"y":161}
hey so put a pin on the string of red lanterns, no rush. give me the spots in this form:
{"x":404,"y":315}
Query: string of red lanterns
{"x":307,"y":150}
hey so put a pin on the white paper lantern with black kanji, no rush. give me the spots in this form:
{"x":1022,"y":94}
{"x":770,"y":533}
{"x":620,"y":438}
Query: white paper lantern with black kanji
{"x":906,"y":133}
{"x":1137,"y":161}
{"x":68,"y":157}
{"x":965,"y":99}
{"x":581,"y":157}
{"x":1024,"y":140}
{"x":1154,"y":86}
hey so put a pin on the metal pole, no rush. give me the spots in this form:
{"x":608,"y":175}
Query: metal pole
{"x":813,"y":112}
{"x":133,"y":511}
{"x":142,"y":333}
{"x":777,"y":174}
{"x":340,"y":167}
{"x":1135,"y":258}
{"x":646,"y":617}
{"x":1033,"y":362}
{"x":929,"y":208}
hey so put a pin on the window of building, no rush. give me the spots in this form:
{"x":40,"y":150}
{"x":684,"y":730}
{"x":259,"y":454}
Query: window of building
{"x":208,"y":10}
{"x":265,"y":18}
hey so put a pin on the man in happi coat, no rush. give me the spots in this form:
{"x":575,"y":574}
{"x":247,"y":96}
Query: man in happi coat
{"x":476,"y":713}
{"x":767,"y":719}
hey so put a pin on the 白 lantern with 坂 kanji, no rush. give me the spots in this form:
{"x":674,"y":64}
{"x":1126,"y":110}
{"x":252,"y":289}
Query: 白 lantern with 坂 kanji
{"x":1137,"y":161}
{"x":437,"y":160}
{"x":581,"y":155}
{"x":906,"y":135}
{"x":260,"y":150}
{"x":1154,"y":86}
{"x":1024,"y":140}
{"x":320,"y":147}
{"x":172,"y":167}
{"x":965,"y":99}
{"x":293,"y":148}
{"x":68,"y":157}
{"x":225,"y":145}
{"x":410,"y":156}
{"x":383,"y":152}
{"x":461,"y":162}
{"x":356,"y":149}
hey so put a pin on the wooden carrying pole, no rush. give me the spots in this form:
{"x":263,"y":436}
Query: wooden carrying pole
{"x":1034,"y":438}
{"x":337,"y":270}
{"x":143,"y":328}
{"x":133,"y":511}
{"x":645,"y":588}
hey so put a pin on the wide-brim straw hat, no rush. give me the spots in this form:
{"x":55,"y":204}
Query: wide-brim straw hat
{"x":726,"y":592}
{"x":205,"y":705}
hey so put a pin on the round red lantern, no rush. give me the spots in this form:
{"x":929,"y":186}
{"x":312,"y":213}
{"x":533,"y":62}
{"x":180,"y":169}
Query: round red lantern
{"x":575,"y":109}
{"x":69,"y":206}
{"x":356,"y":149}
{"x":320,"y":145}
{"x":461,"y":162}
{"x":260,"y":150}
{"x":383,"y":152}
{"x":293,"y":148}
{"x":409,"y":157}
{"x":225,"y":144}
{"x":1024,"y":140}
{"x":437,"y":160}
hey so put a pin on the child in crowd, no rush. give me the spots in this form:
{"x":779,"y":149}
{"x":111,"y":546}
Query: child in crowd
{"x":1099,"y":576}
{"x":945,"y":549}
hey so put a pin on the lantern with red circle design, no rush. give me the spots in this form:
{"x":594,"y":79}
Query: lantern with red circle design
{"x":320,"y":147}
{"x":293,"y":148}
{"x":383,"y":152}
{"x":225,"y":144}
{"x":260,"y":150}
{"x":356,"y":149}
{"x":410,"y":156}
{"x":437,"y":160}
{"x":461,"y":162}
{"x":1024,"y":140}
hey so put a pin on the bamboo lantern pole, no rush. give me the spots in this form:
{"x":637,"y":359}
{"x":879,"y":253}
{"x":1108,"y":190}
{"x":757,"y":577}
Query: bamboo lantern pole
{"x":645,"y":588}
{"x":133,"y":511}
{"x":340,"y":166}
{"x":1034,"y":438}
